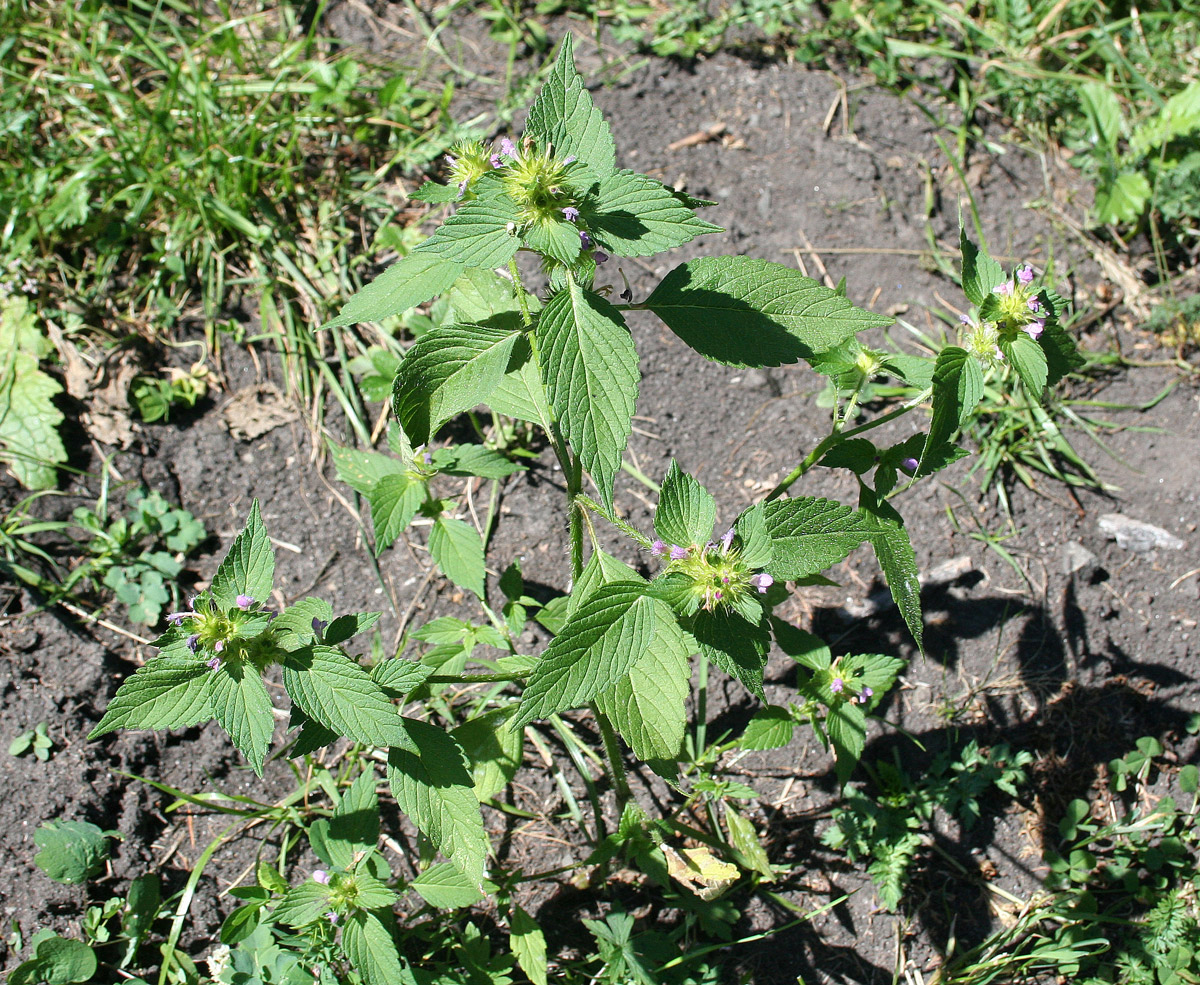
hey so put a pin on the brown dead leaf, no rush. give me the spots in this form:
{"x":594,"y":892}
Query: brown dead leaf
{"x":103,"y":389}
{"x":254,"y":411}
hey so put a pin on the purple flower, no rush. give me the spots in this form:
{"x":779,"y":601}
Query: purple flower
{"x":214,"y":663}
{"x":451,"y":160}
{"x":836,"y":685}
{"x":218,"y":646}
{"x":571,"y":214}
{"x":1035,"y":328}
{"x":1003,"y":289}
{"x":658,"y":548}
{"x":507,"y":147}
{"x":244,"y":602}
{"x":627,"y":294}
{"x":193,"y":642}
{"x":462,"y":188}
{"x":865,"y":695}
{"x":427,"y":458}
{"x":909,"y":465}
{"x":600,"y":256}
{"x":331,"y":916}
{"x":497,"y":161}
{"x":678,"y":553}
{"x":585,"y":241}
{"x":964,"y":319}
{"x":1025,"y":274}
{"x":727,"y":540}
{"x":318,"y":625}
{"x":177,"y":618}
{"x":570,"y":159}
{"x":762,"y":581}
{"x":1034,"y":305}
{"x":321,"y":876}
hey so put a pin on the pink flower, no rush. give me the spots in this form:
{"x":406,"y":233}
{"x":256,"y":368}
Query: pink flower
{"x":762,"y":581}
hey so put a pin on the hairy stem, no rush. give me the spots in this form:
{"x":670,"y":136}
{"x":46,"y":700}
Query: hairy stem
{"x":623,"y":525}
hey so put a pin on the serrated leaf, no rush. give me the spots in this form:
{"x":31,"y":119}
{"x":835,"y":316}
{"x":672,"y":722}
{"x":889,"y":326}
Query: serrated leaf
{"x":29,"y":440}
{"x":435,"y":193}
{"x":446,"y":371}
{"x":808,"y":534}
{"x":757,"y":549}
{"x":633,"y":215}
{"x":169,"y":691}
{"x":334,"y":691}
{"x":477,"y":235}
{"x":1029,"y":361}
{"x":410,"y":281}
{"x":980,"y":273}
{"x":434,"y":787}
{"x":249,"y":566}
{"x":1104,"y":112}
{"x":71,"y":851}
{"x":686,"y":510}
{"x":1178,"y":117}
{"x":475,"y":460}
{"x":806,"y":649}
{"x":771,"y":727}
{"x":600,"y":643}
{"x":601,"y":569}
{"x":520,"y":393}
{"x":846,"y":724}
{"x":564,"y":117}
{"x":302,"y":904}
{"x":743,"y":311}
{"x":493,"y":749}
{"x":371,"y":950}
{"x":957,"y":390}
{"x":394,"y":501}
{"x":346,"y":627}
{"x":647,"y":705}
{"x":556,"y":239}
{"x":363,"y":470}
{"x":1062,"y":355}
{"x":353,"y":827}
{"x":734,"y":644}
{"x":241,"y":705}
{"x":444,"y":886}
{"x":894,"y":550}
{"x":481,"y":297}
{"x":590,"y":370}
{"x":399,"y":675}
{"x":528,"y":945}
{"x":298,"y":618}
{"x":457,"y":549}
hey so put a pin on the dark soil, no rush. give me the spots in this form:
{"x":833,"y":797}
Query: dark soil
{"x":1073,"y":667}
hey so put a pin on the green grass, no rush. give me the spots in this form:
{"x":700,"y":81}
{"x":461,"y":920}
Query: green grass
{"x":180,"y":169}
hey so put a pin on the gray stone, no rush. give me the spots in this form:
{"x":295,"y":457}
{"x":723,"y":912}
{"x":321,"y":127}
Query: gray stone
{"x":1134,"y":535}
{"x":1077,"y":558}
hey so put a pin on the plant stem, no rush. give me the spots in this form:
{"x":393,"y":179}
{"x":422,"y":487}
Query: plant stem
{"x":475,"y":678}
{"x":623,"y":525}
{"x":834,"y":439}
{"x":612,"y":752}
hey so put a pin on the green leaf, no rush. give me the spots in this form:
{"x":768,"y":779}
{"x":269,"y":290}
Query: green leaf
{"x":410,"y":281}
{"x":477,"y":235}
{"x":736,"y":645}
{"x":434,"y":787}
{"x":371,"y":949}
{"x":957,"y":390}
{"x":71,"y":851}
{"x":354,"y":826}
{"x":446,"y":371}
{"x":556,"y":239}
{"x":1029,"y":361}
{"x":170,"y":691}
{"x":347,"y":627}
{"x":602,"y":569}
{"x":362,"y":471}
{"x":394,"y":501}
{"x":600,"y":643}
{"x":894,"y":550}
{"x":744,"y":839}
{"x":1121,"y":196}
{"x":242,"y":706}
{"x":56,"y":961}
{"x":808,"y":534}
{"x":29,"y":441}
{"x":633,"y":215}
{"x":457,"y":549}
{"x":336,"y":692}
{"x":743,"y":311}
{"x":980,"y":273}
{"x":590,"y":369}
{"x":528,"y":945}
{"x":1104,"y":112}
{"x":846,"y":724}
{"x":249,"y":567}
{"x":435,"y":193}
{"x":302,"y":904}
{"x":770,"y":728}
{"x":648,"y":705}
{"x":757,"y":549}
{"x":1062,"y":355}
{"x":444,"y":886}
{"x":1179,"y":117}
{"x":520,"y":392}
{"x":399,"y":675}
{"x":475,"y":460}
{"x":686,"y":511}
{"x":480,"y":296}
{"x":493,"y":749}
{"x":564,"y":117}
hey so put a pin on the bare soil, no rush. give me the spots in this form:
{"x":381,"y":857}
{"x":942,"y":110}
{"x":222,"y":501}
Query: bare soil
{"x":810,"y":169}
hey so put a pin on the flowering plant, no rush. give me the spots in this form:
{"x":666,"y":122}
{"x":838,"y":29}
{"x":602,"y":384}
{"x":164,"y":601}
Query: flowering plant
{"x":622,"y":643}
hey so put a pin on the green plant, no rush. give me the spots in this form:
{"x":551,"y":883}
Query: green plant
{"x":138,"y":556}
{"x":622,"y":643}
{"x":35,"y":740}
{"x":29,"y":441}
{"x":891,"y":826}
{"x":154,"y":396}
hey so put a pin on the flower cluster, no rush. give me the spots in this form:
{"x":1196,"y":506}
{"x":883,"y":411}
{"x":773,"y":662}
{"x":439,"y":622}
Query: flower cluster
{"x":843,"y":685}
{"x":721,"y":579}
{"x":1011,"y":308}
{"x":224,"y":635}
